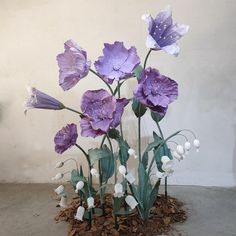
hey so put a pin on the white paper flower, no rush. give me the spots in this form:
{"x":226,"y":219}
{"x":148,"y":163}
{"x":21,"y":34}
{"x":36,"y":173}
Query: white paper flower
{"x":59,"y":164}
{"x":63,"y":202}
{"x":58,"y":176}
{"x":90,"y":202}
{"x":196,"y":144}
{"x":180,"y":150}
{"x":187,"y":146}
{"x":132,"y":153}
{"x":177,"y":156}
{"x":79,"y":186}
{"x":130,"y":178}
{"x":122,"y":170}
{"x":130,"y":200}
{"x":94,"y":172}
{"x":165,"y":159}
{"x":59,"y":189}
{"x":118,"y":188}
{"x":80,"y":213}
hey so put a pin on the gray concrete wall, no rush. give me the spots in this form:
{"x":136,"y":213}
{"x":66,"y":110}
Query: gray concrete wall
{"x":32,"y":34}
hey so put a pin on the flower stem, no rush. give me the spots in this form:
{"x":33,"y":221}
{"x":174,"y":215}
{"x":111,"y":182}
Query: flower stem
{"x":78,"y":112}
{"x":95,"y":73}
{"x":121,"y":130}
{"x":139,"y":135}
{"x":146,"y":58}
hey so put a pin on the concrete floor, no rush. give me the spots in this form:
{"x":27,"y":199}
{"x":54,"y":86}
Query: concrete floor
{"x":29,"y":209}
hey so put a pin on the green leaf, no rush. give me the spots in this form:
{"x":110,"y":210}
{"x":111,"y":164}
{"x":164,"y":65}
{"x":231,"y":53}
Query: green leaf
{"x":137,"y":72}
{"x":117,"y":204}
{"x":145,"y":160}
{"x":123,"y":152}
{"x":138,"y":108}
{"x":153,"y":194}
{"x":98,"y":154}
{"x":107,"y":164}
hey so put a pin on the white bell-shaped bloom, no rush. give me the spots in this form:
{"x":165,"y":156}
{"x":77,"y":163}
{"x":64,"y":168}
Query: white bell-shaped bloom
{"x":169,"y":172}
{"x":118,"y":188}
{"x":130,"y":200}
{"x":79,"y":186}
{"x":59,"y":189}
{"x":59,"y":164}
{"x":122,"y":170}
{"x":132,"y":153}
{"x":63,"y":202}
{"x":159,"y":174}
{"x":94,"y":172}
{"x":90,"y":202}
{"x":80,"y":213}
{"x":165,"y":159}
{"x":176,"y":156}
{"x":130,"y":178}
{"x":58,"y":176}
{"x":180,"y":150}
{"x":196,"y":144}
{"x":187,"y":146}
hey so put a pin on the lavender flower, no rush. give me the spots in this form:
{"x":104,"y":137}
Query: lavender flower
{"x":163,"y":34}
{"x":41,"y":100}
{"x":101,"y":112}
{"x":73,"y":65}
{"x":156,"y":91}
{"x":65,"y":138}
{"x":117,"y":63}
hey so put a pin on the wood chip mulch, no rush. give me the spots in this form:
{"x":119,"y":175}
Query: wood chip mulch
{"x":164,"y":213}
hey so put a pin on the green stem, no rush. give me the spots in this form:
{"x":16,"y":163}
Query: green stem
{"x":95,"y":73}
{"x":70,"y":109}
{"x":121,"y":130}
{"x":146,"y":58}
{"x":82,"y":150}
{"x":139,"y":135}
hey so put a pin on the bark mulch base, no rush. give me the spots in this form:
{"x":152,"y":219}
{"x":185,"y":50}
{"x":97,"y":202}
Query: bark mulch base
{"x":164,"y":213}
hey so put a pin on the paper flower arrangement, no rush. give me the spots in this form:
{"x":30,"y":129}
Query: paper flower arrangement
{"x":101,"y":113}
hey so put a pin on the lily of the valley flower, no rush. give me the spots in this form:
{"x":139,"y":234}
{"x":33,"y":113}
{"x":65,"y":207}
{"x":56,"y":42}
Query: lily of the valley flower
{"x":63,"y":202}
{"x":132,"y":153}
{"x":167,"y":165}
{"x":58,"y":176}
{"x":80,"y":213}
{"x":159,"y":174}
{"x":177,"y":156}
{"x":130,"y":178}
{"x":196,"y":144}
{"x":59,"y":189}
{"x":94,"y":172}
{"x":59,"y":164}
{"x":79,"y":186}
{"x":90,"y":202}
{"x":130,"y":200}
{"x":118,"y":190}
{"x":180,"y":150}
{"x":122,"y":170}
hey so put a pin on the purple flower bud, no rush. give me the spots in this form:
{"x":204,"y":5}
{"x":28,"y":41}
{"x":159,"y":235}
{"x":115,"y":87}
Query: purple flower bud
{"x":41,"y":100}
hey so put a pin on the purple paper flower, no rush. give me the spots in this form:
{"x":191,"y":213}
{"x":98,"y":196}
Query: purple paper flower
{"x":101,"y":112}
{"x":73,"y":65}
{"x":163,"y":34}
{"x":65,"y":138}
{"x":117,"y":63}
{"x":156,"y":91}
{"x":41,"y":100}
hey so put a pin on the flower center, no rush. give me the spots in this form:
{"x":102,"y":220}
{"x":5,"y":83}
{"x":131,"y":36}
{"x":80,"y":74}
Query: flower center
{"x":116,"y":68}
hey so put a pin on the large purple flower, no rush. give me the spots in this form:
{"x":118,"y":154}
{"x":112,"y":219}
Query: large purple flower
{"x":156,"y":91}
{"x":117,"y":63}
{"x":73,"y":65}
{"x":65,"y":138}
{"x":41,"y":100}
{"x":163,"y":34}
{"x":101,"y":112}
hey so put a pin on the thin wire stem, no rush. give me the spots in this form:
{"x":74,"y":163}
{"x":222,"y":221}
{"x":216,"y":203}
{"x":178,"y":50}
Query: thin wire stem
{"x":72,"y":159}
{"x":95,"y":73}
{"x":146,"y":58}
{"x":73,"y":110}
